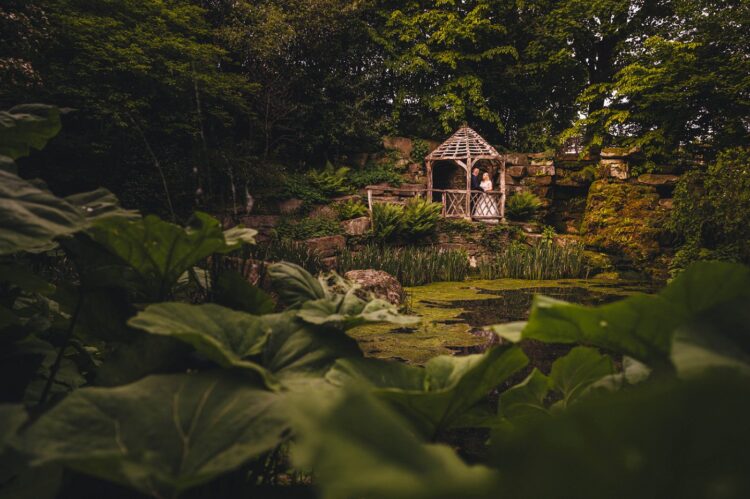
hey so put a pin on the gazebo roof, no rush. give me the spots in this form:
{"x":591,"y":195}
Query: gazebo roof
{"x":464,"y":144}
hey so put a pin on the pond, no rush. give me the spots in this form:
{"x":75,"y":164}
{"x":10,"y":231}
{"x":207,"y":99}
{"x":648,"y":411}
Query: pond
{"x":454,"y":314}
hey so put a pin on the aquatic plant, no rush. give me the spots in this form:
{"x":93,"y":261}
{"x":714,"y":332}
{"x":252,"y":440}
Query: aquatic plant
{"x":543,"y":261}
{"x":412,"y":266}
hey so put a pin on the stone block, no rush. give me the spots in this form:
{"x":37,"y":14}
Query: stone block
{"x":403,"y":145}
{"x":323,"y":211}
{"x":290,"y":206}
{"x":658,"y":179}
{"x":542,"y":162}
{"x":356,"y":226}
{"x":516,"y":159}
{"x":538,"y":180}
{"x":618,"y":152}
{"x":541,"y":169}
{"x":259,"y":221}
{"x":516,"y":171}
{"x":326,"y":246}
{"x":666,"y":203}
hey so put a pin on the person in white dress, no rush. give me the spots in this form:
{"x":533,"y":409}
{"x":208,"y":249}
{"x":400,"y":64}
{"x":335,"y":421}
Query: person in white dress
{"x":485,"y":204}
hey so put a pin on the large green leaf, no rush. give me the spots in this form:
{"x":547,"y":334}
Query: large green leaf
{"x":294,"y":284}
{"x":526,"y":400}
{"x":160,"y":435}
{"x":667,"y":438}
{"x":232,"y":290}
{"x":32,"y":217}
{"x":160,"y":251}
{"x":358,"y":447}
{"x":643,"y":326}
{"x":99,"y":204}
{"x":27,"y":126}
{"x":296,"y":351}
{"x":572,"y":374}
{"x":225,"y":336}
{"x":435,"y":397}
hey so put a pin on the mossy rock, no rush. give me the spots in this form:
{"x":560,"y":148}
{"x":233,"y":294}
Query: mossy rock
{"x":625,"y":220}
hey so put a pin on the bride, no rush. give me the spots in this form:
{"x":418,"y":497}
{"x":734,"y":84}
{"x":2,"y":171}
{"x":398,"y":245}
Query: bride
{"x":485,"y":205}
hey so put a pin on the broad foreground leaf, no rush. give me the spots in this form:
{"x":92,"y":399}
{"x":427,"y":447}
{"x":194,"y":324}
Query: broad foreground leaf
{"x":433,"y":398}
{"x":160,"y":435}
{"x":32,"y":216}
{"x":99,"y":204}
{"x":294,"y":284}
{"x":160,"y":251}
{"x":670,"y":438}
{"x":348,"y":310}
{"x":358,"y":447}
{"x":223,"y":335}
{"x":572,"y":374}
{"x":296,"y":350}
{"x":26,"y":127}
{"x":644,"y":326}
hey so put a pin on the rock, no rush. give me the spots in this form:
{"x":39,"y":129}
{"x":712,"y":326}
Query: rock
{"x":415,"y":168}
{"x":542,"y":162}
{"x":356,"y":226}
{"x":618,"y":152}
{"x":402,"y":163}
{"x":290,"y":206}
{"x":617,"y":168}
{"x":327,"y":246}
{"x":538,"y":180}
{"x":509,"y":180}
{"x":259,"y":221}
{"x":658,"y":179}
{"x":516,"y":159}
{"x":403,"y":145}
{"x":381,"y":284}
{"x":516,"y":171}
{"x":545,"y":155}
{"x":568,"y":182}
{"x":666,"y":203}
{"x":329,"y":263}
{"x":323,"y":211}
{"x":625,"y":220}
{"x":542,"y":169}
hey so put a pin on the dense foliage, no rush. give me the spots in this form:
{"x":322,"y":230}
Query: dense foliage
{"x":414,"y":220}
{"x":198,"y":103}
{"x":545,"y":260}
{"x":712,"y":211}
{"x":522,"y":206}
{"x":136,"y":361}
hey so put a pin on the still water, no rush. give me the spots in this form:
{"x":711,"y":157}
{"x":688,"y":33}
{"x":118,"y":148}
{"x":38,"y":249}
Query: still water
{"x":454,"y":314}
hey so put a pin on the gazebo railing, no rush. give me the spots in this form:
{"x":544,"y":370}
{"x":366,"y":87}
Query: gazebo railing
{"x":482,"y":205}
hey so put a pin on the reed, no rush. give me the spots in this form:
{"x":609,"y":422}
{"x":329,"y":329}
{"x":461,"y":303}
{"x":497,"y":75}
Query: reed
{"x":543,"y":261}
{"x":285,"y":250}
{"x":412,"y":266}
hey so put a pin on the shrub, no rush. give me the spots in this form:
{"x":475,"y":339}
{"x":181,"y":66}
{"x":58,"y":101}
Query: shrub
{"x":419,"y":150}
{"x":522,"y":206}
{"x":305,"y":228}
{"x":375,"y":173}
{"x":711,"y":214}
{"x":543,"y":261}
{"x":411,"y":266}
{"x":386,"y":220}
{"x":420,"y":217}
{"x":330,"y":181}
{"x":351,"y":208}
{"x":301,"y":187}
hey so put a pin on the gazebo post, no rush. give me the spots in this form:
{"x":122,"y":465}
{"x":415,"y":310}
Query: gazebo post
{"x":502,"y":189}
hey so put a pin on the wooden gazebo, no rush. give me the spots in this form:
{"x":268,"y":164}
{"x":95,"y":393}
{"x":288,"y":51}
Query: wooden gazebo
{"x":466,"y":148}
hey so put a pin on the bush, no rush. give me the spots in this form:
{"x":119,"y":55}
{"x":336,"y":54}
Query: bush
{"x":420,"y":217}
{"x":305,"y":228}
{"x":375,"y":173}
{"x":419,"y":150}
{"x":330,"y":181}
{"x":711,"y":214}
{"x":522,"y":206}
{"x":386,"y":220}
{"x":351,"y":208}
{"x":411,"y":266}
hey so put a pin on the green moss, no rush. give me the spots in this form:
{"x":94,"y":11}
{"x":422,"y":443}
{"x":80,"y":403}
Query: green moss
{"x":624,"y":219}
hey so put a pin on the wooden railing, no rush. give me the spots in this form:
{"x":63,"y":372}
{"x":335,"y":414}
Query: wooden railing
{"x":479,"y":206}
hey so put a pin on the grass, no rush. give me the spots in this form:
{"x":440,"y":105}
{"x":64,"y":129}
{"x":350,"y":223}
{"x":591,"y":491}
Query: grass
{"x":412,"y":266}
{"x":278,"y":250}
{"x":543,"y":261}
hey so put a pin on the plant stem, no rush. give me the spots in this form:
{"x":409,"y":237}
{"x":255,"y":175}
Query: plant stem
{"x":58,"y":360}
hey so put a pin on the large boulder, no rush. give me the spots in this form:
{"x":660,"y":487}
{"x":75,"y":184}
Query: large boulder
{"x":381,"y":284}
{"x":658,"y":179}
